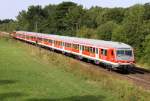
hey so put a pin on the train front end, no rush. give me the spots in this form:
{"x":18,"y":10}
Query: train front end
{"x":125,"y":58}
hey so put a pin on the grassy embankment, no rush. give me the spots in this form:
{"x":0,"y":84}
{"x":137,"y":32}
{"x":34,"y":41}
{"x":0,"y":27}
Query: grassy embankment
{"x":28,"y":73}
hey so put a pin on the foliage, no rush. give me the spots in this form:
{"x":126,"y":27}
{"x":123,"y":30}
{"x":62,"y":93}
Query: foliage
{"x":146,"y":58}
{"x":6,"y":21}
{"x":8,"y":27}
{"x":86,"y":32}
{"x":104,"y":31}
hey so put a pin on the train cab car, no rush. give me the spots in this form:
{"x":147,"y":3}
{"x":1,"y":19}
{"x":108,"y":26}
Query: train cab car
{"x":110,"y":53}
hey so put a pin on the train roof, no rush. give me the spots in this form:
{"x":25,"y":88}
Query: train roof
{"x":91,"y":42}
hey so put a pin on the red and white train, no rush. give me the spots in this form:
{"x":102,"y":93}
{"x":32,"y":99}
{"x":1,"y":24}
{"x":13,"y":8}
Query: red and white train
{"x":112,"y":54}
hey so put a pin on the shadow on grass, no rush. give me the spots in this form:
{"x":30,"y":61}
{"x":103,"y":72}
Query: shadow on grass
{"x":74,"y":98}
{"x":4,"y":96}
{"x":3,"y":82}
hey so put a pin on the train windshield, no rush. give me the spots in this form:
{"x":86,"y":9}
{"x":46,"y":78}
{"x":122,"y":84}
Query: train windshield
{"x":124,"y":54}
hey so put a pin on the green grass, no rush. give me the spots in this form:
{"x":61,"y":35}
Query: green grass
{"x":28,"y":73}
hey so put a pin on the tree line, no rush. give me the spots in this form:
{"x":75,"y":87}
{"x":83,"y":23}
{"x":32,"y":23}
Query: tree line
{"x":129,"y":25}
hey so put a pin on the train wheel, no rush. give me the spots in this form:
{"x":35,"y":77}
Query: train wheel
{"x":126,"y":70}
{"x":109,"y":67}
{"x":63,"y":52}
{"x":79,"y":57}
{"x":96,"y":62}
{"x":88,"y":60}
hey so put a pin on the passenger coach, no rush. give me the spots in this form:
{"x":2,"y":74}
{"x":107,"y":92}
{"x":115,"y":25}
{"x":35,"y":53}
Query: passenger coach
{"x":112,"y":54}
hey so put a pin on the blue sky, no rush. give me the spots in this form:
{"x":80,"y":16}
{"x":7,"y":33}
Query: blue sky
{"x":11,"y":8}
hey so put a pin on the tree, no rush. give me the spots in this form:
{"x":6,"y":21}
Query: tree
{"x":86,"y":32}
{"x":92,"y":15}
{"x":147,"y":11}
{"x":49,"y":23}
{"x":22,"y":21}
{"x":69,"y":17}
{"x":104,"y":32}
{"x":32,"y":19}
{"x":118,"y":34}
{"x":146,"y":55}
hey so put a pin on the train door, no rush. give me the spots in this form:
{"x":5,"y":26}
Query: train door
{"x":103,"y":54}
{"x":97,"y":53}
{"x":111,"y":55}
{"x":80,"y":48}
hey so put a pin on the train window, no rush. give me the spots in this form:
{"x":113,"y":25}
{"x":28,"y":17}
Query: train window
{"x":62,"y":43}
{"x":77,"y":46}
{"x":50,"y":41}
{"x":104,"y":52}
{"x":40,"y":39}
{"x":128,"y":52}
{"x":58,"y":43}
{"x":67,"y":44}
{"x":46,"y":40}
{"x":93,"y":50}
{"x":124,"y":52}
{"x":82,"y":48}
{"x":96,"y":50}
{"x":74,"y":46}
{"x":86,"y":48}
{"x":112,"y":52}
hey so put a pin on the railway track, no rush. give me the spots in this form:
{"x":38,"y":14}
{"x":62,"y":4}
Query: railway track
{"x":139,"y":81}
{"x":138,"y":76}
